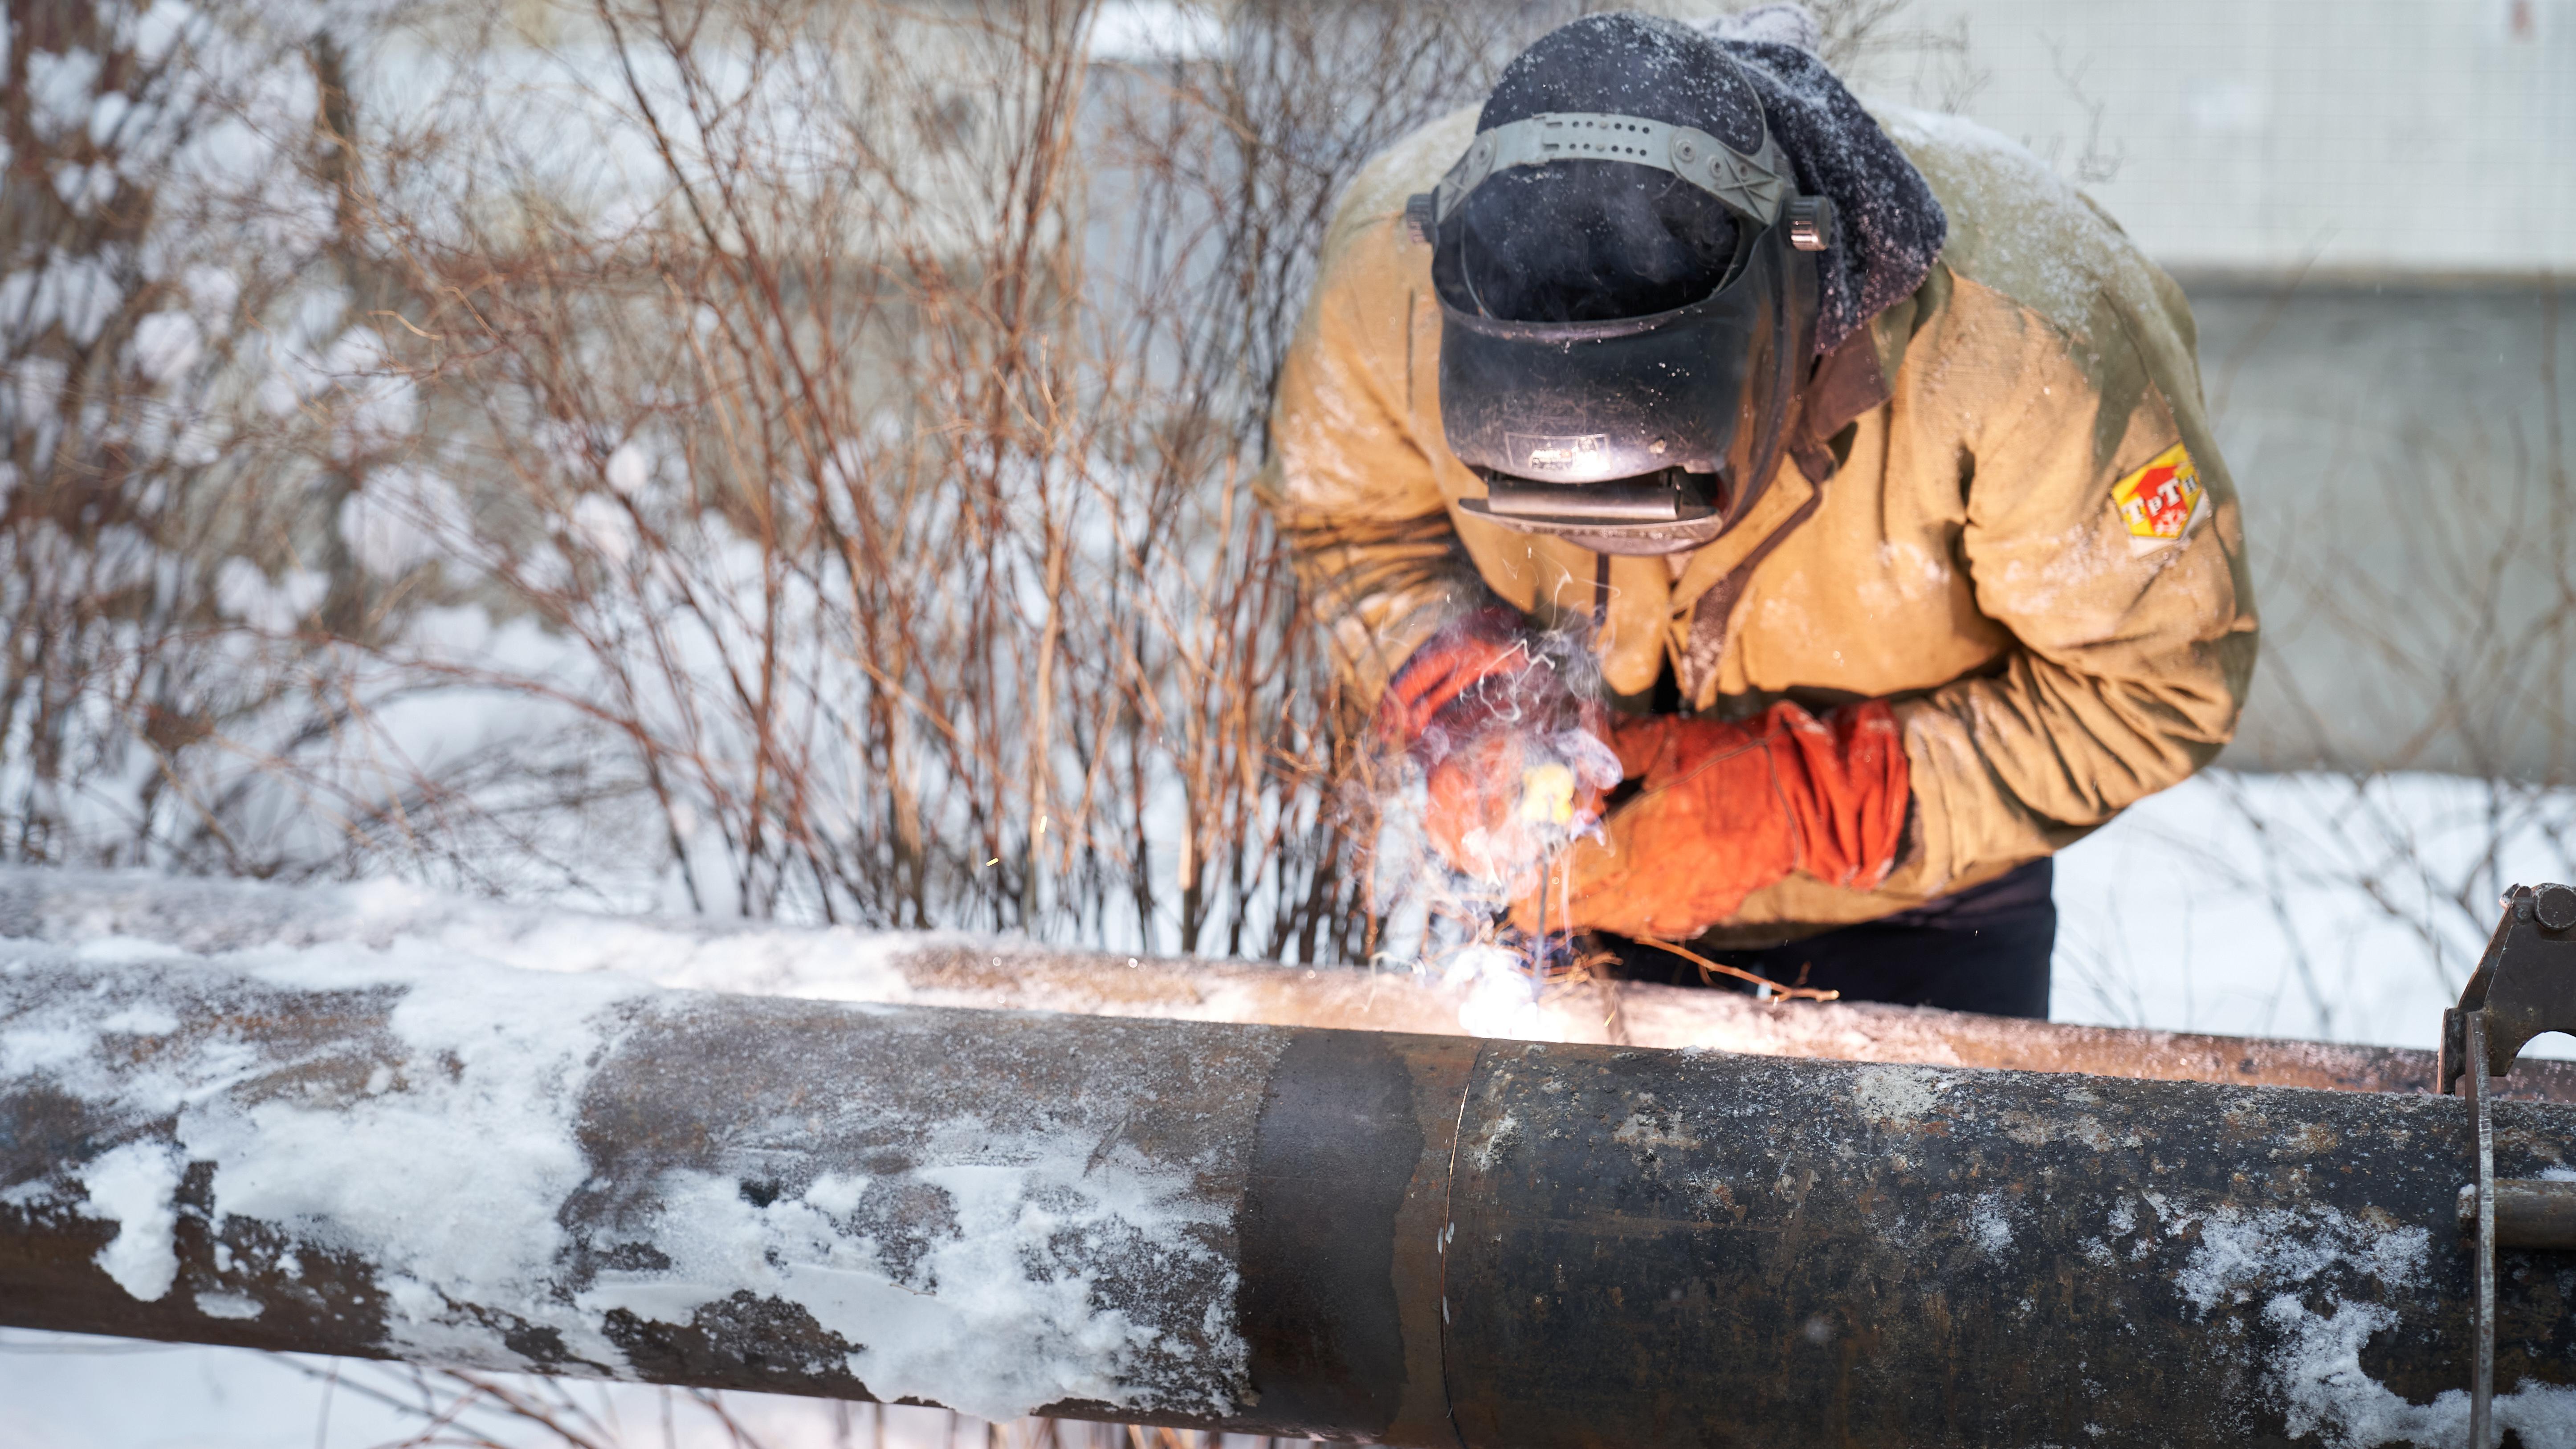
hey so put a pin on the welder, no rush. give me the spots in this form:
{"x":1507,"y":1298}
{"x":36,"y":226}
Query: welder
{"x":1772,"y":526}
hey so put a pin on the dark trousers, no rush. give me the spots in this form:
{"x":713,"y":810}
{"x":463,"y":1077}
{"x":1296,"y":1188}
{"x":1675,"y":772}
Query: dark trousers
{"x":1985,"y":949}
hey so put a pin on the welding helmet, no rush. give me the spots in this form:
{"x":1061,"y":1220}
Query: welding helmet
{"x":1627,"y":287}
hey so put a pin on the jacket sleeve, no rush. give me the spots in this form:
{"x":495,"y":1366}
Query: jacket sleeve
{"x":1348,"y":481}
{"x":2135,"y":649}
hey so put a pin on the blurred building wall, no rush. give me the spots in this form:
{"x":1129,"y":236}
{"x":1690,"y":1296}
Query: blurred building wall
{"x":2402,"y":445}
{"x":2372,"y":204}
{"x":2339,"y":135}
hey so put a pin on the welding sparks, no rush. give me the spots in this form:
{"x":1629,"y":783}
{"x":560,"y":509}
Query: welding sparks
{"x":1502,"y":994}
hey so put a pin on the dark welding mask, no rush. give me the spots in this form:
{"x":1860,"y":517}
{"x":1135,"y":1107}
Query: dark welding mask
{"x":1643,"y":434}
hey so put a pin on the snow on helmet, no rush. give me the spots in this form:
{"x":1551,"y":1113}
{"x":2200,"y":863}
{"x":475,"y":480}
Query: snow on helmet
{"x":1627,"y":304}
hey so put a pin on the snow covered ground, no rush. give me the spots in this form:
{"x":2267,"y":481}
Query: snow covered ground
{"x":2279,"y":905}
{"x":60,"y":1391}
{"x":2309,"y":906}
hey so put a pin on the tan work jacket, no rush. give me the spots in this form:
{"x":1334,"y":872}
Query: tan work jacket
{"x":2007,"y":515}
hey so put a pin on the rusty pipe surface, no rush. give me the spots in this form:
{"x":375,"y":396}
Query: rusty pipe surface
{"x":1418,"y":1240}
{"x":941,"y":969}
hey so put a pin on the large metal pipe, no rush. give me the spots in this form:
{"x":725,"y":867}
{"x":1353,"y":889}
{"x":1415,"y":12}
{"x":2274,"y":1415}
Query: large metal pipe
{"x":1419,"y":1240}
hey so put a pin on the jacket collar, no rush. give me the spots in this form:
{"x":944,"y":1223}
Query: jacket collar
{"x":1848,"y":383}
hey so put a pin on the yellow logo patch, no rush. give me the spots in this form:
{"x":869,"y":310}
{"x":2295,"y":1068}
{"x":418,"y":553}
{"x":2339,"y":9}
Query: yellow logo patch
{"x":2159,"y":501}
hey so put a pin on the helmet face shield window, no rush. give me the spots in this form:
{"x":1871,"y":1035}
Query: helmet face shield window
{"x":1643,"y":435}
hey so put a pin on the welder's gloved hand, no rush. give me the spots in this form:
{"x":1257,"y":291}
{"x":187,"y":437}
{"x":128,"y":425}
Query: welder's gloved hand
{"x":1514,"y":760}
{"x":1727,"y":808}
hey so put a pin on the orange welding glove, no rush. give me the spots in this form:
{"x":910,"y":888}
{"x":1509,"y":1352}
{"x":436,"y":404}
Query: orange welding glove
{"x":1728,"y":808}
{"x":1513,"y":758}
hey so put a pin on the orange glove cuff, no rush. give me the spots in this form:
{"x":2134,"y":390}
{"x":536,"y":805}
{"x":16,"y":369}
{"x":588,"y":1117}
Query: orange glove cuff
{"x":1845,"y":782}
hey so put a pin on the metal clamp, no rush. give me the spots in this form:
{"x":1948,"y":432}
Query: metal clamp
{"x":2525,"y":985}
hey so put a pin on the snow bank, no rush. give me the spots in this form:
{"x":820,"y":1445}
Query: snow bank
{"x":64,"y":1391}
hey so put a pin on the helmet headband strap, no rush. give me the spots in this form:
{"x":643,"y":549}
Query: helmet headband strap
{"x":1756,"y":186}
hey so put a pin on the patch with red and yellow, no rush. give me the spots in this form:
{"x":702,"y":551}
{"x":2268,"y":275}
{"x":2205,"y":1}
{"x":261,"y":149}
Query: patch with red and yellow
{"x":2159,"y":501}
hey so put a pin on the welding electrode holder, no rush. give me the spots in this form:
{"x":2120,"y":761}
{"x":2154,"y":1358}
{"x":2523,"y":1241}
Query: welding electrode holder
{"x":2525,"y":985}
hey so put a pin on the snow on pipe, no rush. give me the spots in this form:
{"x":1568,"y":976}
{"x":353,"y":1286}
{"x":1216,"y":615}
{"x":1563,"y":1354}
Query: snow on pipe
{"x":1420,"y":1240}
{"x":46,"y":907}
